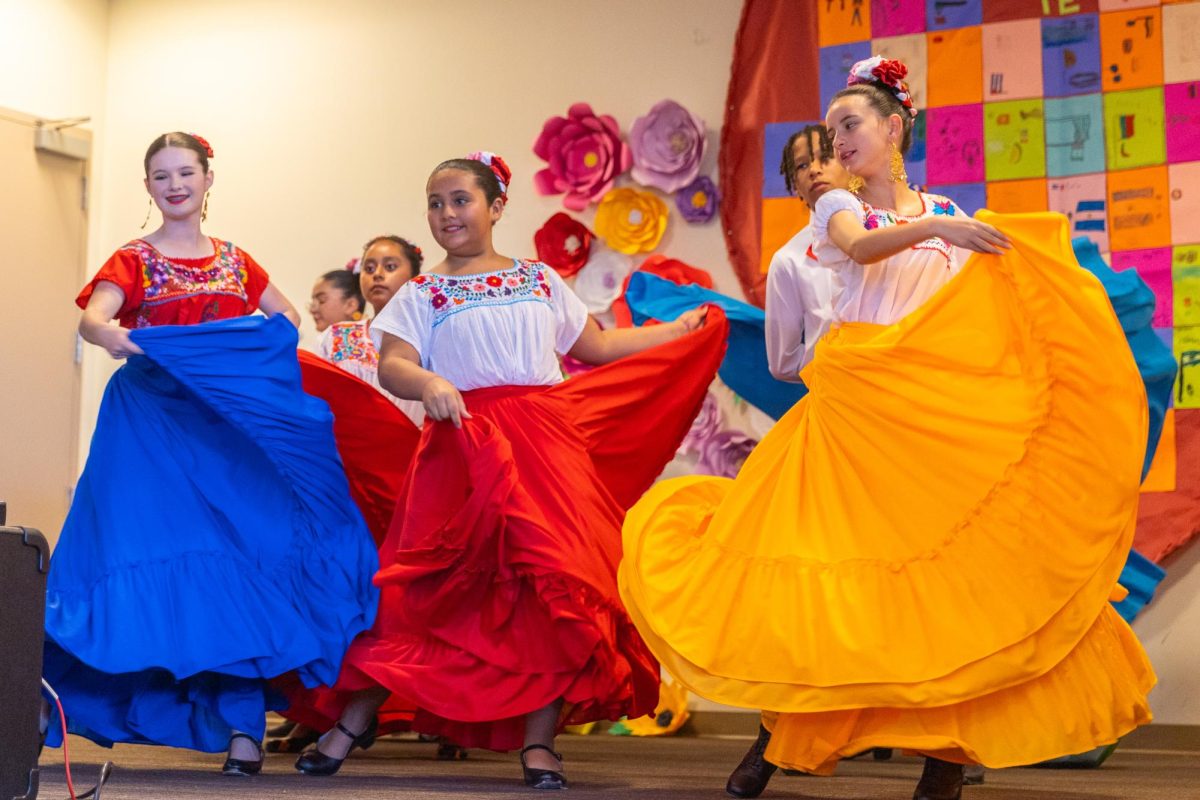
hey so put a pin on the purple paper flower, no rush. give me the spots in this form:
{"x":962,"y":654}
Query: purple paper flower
{"x":667,"y":146}
{"x":721,"y":452}
{"x":697,"y":202}
{"x":584,"y":155}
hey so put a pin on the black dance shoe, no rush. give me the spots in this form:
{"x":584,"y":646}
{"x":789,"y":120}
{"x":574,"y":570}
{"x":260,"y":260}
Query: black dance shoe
{"x":449,"y":751}
{"x":314,"y":762}
{"x":941,"y":780}
{"x":751,"y":776}
{"x":542,"y":778}
{"x":238,"y":768}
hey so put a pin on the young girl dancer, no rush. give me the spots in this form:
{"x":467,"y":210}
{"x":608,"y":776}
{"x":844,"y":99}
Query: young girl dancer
{"x":212,"y":543}
{"x":501,"y":620}
{"x":387,"y":263}
{"x":336,"y":297}
{"x":960,"y":488}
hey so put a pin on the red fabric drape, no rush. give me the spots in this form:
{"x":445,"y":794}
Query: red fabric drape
{"x":1169,"y":520}
{"x":774,"y":53}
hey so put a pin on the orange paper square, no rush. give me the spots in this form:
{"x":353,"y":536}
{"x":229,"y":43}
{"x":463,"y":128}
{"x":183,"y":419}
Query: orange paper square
{"x":1131,"y":49}
{"x":782,"y":218}
{"x":1138,"y":217}
{"x":955,"y":67}
{"x":1016,"y":197}
{"x":843,"y":21}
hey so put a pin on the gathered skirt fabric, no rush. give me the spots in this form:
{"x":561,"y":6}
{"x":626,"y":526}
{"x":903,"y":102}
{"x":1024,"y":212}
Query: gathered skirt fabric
{"x":212,"y":543}
{"x":498,"y":575}
{"x":920,"y":554}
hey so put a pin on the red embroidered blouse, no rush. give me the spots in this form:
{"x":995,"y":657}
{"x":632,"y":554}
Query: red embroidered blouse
{"x":160,"y":290}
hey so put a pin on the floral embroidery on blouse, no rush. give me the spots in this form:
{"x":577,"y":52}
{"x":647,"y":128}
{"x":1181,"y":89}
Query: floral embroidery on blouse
{"x":351,"y":342}
{"x":934,"y":204}
{"x":525,"y":282}
{"x":164,"y":279}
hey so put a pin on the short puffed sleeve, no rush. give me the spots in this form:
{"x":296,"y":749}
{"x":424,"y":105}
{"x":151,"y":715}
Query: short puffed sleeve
{"x":570,"y":314}
{"x":255,"y":280}
{"x":408,"y":316}
{"x":833,"y":202}
{"x":123,"y":268}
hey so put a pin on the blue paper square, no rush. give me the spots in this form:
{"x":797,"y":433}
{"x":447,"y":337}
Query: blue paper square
{"x":1071,"y":55}
{"x":970,"y":197}
{"x":1074,"y":135}
{"x":835,"y":64}
{"x":915,"y":159}
{"x":941,"y":15}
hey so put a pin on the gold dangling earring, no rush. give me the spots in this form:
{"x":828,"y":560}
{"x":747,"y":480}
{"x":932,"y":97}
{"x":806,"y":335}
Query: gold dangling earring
{"x":204,"y":209}
{"x":898,"y":173}
{"x":149,"y":211}
{"x":856,"y":184}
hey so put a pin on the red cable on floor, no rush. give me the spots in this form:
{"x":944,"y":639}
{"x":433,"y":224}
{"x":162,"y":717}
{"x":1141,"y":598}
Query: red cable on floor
{"x":105,"y":769}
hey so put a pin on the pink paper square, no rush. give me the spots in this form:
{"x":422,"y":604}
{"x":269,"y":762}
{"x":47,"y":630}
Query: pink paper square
{"x":1182,"y":102}
{"x":954,"y":144}
{"x":897,"y":17}
{"x":1184,"y":182}
{"x":1154,"y":267}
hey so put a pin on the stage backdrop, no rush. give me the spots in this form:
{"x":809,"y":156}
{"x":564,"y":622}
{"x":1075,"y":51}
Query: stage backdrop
{"x":1086,"y":107}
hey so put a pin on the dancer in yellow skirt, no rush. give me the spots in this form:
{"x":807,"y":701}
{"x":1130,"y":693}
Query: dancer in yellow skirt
{"x":920,"y":554}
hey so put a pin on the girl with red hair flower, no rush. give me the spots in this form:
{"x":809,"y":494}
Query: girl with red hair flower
{"x":500,"y":621}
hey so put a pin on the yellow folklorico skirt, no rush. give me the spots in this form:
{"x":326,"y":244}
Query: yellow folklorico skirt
{"x":920,"y":554}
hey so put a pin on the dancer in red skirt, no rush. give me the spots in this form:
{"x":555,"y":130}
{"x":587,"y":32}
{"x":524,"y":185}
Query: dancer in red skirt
{"x":500,"y":619}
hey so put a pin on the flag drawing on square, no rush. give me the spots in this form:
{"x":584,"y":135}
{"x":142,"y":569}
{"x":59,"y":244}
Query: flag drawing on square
{"x":1133,"y":128}
{"x":1084,"y":201}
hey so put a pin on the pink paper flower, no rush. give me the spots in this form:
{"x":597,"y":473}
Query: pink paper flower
{"x":667,"y":146}
{"x":584,"y":155}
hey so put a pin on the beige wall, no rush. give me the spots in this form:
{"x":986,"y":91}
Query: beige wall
{"x":326,"y":119}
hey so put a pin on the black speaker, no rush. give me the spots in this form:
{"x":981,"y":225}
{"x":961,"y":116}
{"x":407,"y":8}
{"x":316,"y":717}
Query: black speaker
{"x":24,"y":560}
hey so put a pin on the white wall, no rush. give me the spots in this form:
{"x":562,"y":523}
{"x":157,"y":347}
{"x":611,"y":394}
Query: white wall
{"x":1169,"y":628}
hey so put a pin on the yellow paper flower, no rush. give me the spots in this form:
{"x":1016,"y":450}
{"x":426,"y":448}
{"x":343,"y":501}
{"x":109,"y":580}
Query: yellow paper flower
{"x":630,"y":221}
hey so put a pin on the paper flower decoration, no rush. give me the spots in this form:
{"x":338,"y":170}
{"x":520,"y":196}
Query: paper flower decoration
{"x":602,"y":279}
{"x":630,"y":221}
{"x":563,"y":242}
{"x":697,"y":202}
{"x":584,"y":155}
{"x":667,"y":146}
{"x":721,"y":451}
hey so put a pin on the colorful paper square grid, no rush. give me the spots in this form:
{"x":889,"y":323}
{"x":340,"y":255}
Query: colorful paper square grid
{"x":1086,"y":107}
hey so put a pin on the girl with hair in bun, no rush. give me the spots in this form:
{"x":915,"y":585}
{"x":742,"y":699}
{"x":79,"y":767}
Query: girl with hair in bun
{"x":387,"y":263}
{"x":500,"y":620}
{"x":921,"y":553}
{"x":212,"y":543}
{"x":336,"y":297}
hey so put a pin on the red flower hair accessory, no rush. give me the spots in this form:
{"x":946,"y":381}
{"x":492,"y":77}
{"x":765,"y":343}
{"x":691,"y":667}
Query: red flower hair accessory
{"x":496,"y":164}
{"x":208,"y":151}
{"x":889,"y":72}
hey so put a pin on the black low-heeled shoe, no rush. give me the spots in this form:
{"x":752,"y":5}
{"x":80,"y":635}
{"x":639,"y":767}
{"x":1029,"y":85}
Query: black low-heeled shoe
{"x":449,"y":751}
{"x":314,"y":762}
{"x":542,"y":778}
{"x":940,"y":780}
{"x":238,"y":767}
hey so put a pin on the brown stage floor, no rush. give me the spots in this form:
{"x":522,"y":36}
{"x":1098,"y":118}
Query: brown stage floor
{"x":598,"y":766}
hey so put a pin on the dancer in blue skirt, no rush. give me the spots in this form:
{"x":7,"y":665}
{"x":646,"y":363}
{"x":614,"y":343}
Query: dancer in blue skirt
{"x":212,"y":543}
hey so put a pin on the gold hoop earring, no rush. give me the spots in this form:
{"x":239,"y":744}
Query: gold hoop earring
{"x":896,"y":167}
{"x":204,"y":209}
{"x":856,"y":184}
{"x":149,"y":211}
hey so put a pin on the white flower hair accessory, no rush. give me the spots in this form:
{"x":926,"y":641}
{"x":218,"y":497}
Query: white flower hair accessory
{"x":889,"y":72}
